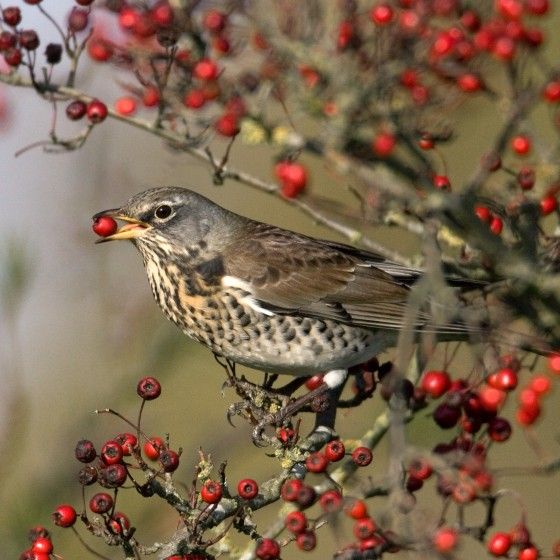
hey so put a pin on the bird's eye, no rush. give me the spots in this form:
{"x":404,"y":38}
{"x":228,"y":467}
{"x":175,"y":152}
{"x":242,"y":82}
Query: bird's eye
{"x":163,"y":211}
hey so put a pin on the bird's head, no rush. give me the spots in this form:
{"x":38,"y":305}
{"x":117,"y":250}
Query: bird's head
{"x":169,"y":218}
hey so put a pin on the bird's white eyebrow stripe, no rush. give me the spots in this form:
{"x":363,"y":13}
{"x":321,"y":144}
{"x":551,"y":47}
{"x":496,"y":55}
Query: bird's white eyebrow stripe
{"x":233,"y":282}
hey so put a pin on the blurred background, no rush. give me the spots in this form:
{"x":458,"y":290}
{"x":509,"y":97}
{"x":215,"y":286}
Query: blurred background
{"x":79,"y":326}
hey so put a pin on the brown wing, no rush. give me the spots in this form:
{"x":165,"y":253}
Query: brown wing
{"x":289,"y":273}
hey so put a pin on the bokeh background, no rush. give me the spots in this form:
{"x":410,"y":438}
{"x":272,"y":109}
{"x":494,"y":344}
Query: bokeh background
{"x":78,"y":326}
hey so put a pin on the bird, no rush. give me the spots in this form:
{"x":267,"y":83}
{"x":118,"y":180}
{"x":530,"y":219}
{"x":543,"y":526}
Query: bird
{"x":267,"y":297}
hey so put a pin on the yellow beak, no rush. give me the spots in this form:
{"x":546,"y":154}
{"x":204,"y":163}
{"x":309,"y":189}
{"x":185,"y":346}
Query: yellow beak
{"x":131,"y":230}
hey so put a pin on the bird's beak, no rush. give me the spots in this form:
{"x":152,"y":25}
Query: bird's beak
{"x":132,"y":229}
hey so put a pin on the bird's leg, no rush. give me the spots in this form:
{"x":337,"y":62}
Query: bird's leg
{"x":333,"y":383}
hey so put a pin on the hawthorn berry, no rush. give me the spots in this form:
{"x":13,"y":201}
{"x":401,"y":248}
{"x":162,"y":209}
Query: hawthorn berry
{"x":521,"y":144}
{"x":330,"y":501}
{"x":101,"y":503}
{"x":442,"y":182}
{"x":153,"y":447}
{"x":247,"y":488}
{"x":113,"y":476}
{"x":499,"y":429}
{"x":496,"y":225}
{"x":420,"y":468}
{"x":316,"y":462}
{"x":78,"y":19}
{"x":42,"y":545}
{"x":307,"y":540}
{"x":548,"y":204}
{"x":413,"y":483}
{"x":528,"y":553}
{"x":64,"y":516}
{"x":290,"y":489}
{"x":7,"y":40}
{"x":267,"y":549}
{"x":128,"y":442}
{"x":383,"y":144}
{"x":12,"y":57}
{"x":99,"y":49}
{"x":435,"y":383}
{"x":306,"y":496}
{"x":118,"y":523}
{"x":211,"y":492}
{"x":206,"y":70}
{"x":111,"y":452}
{"x":11,"y":16}
{"x":162,"y":14}
{"x":364,"y":528}
{"x":87,"y":475}
{"x":296,"y":522}
{"x":97,"y":111}
{"x":314,"y":381}
{"x":445,"y":539}
{"x":362,"y":456}
{"x":214,"y":20}
{"x":151,"y":97}
{"x":499,"y":544}
{"x":53,"y":53}
{"x":227,"y":125}
{"x":526,"y":178}
{"x":292,"y":176}
{"x":104,"y":226}
{"x":126,"y":106}
{"x":540,"y":384}
{"x":505,"y":379}
{"x":148,"y":388}
{"x":381,"y":14}
{"x":169,"y":460}
{"x":446,"y":416}
{"x":356,"y":509}
{"x":469,"y":83}
{"x":335,"y":450}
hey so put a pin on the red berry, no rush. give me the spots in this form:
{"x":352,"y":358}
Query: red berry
{"x":12,"y":57}
{"x":162,"y":14}
{"x":104,"y":226}
{"x":335,"y":450}
{"x":356,"y":509}
{"x":7,"y":40}
{"x":511,"y":9}
{"x":111,"y":452}
{"x":383,"y":144}
{"x":382,"y":14}
{"x":87,"y":475}
{"x":491,"y":399}
{"x":42,"y":545}
{"x":11,"y":16}
{"x":526,"y":178}
{"x":267,"y":549}
{"x":420,"y":468}
{"x":128,"y":442}
{"x":548,"y":204}
{"x":78,"y":20}
{"x":215,"y":21}
{"x":540,"y":384}
{"x":364,"y":528}
{"x":442,"y":182}
{"x":331,"y":501}
{"x":153,"y":448}
{"x":527,"y":415}
{"x":169,"y":460}
{"x":113,"y":476}
{"x":483,"y":213}
{"x":316,"y":462}
{"x":528,"y":553}
{"x":426,"y":142}
{"x":521,"y":144}
{"x":101,"y":503}
{"x":445,"y":539}
{"x":306,"y":541}
{"x":446,"y":416}
{"x":290,"y":489}
{"x":306,"y":496}
{"x":118,"y":523}
{"x":247,"y":488}
{"x":151,"y":97}
{"x":552,"y":91}
{"x":126,"y":106}
{"x":148,"y":388}
{"x":84,"y":2}
{"x":32,"y":2}
{"x":293,"y":178}
{"x":537,"y":7}
{"x":499,"y":429}
{"x":296,"y":522}
{"x":469,"y":83}
{"x":194,"y":99}
{"x":99,"y":49}
{"x":498,"y":544}
{"x":435,"y":383}
{"x":221,"y":45}
{"x":314,"y":381}
{"x":97,"y":111}
{"x":64,"y":516}
{"x":227,"y":125}
{"x":85,"y":451}
{"x":496,"y":225}
{"x":504,"y":48}
{"x":505,"y":379}
{"x":206,"y":70}
{"x":211,"y":492}
{"x":362,"y":456}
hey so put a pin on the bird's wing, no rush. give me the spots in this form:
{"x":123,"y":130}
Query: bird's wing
{"x":289,"y":273}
